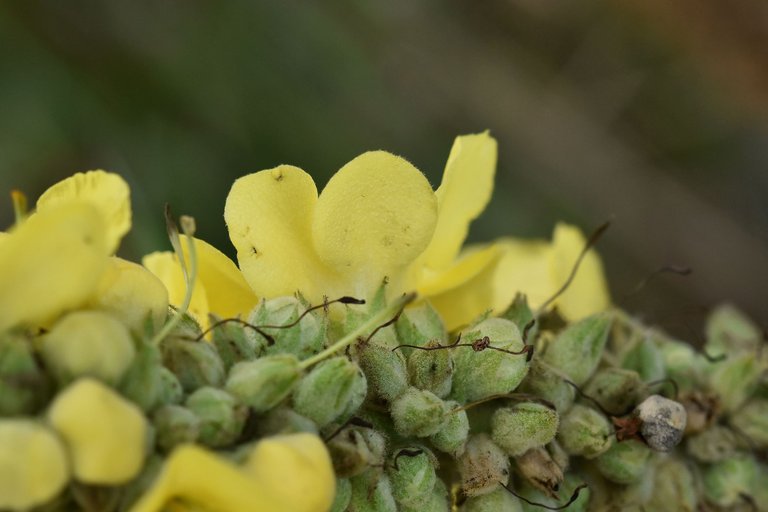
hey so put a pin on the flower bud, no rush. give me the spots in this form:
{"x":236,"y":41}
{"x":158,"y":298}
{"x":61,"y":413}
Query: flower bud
{"x":499,"y":500}
{"x":647,"y":360}
{"x":752,"y":420}
{"x":624,"y":462}
{"x":356,"y":449}
{"x":565,"y":491}
{"x":452,"y":438}
{"x":24,"y":387}
{"x":282,"y":420}
{"x":674,"y":488}
{"x":195,"y":363}
{"x":735,"y":379}
{"x":33,"y":464}
{"x":523,"y":426}
{"x":431,"y":370}
{"x":520,"y":313}
{"x":663,"y":422}
{"x":88,"y":343}
{"x":482,"y":466}
{"x":546,"y":383}
{"x":713,"y":444}
{"x":480,"y":374}
{"x":372,"y":492}
{"x":234,"y":344}
{"x":585,"y":432}
{"x":221,"y":416}
{"x":143,"y":382}
{"x":540,"y":470}
{"x":558,"y":454}
{"x":105,"y":434}
{"x":412,"y":475}
{"x":730,"y":331}
{"x":343,"y":495}
{"x":726,"y":482}
{"x":384,"y":370}
{"x":418,"y":413}
{"x":683,"y":364}
{"x":171,"y":391}
{"x":577,"y":350}
{"x":615,"y":389}
{"x":332,"y":390}
{"x":635,"y":495}
{"x":265,"y":382}
{"x":437,"y":501}
{"x":304,"y":339}
{"x":175,"y":425}
{"x":420,"y":324}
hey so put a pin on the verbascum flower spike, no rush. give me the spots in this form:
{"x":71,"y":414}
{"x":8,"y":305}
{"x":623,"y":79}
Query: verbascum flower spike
{"x":33,"y":464}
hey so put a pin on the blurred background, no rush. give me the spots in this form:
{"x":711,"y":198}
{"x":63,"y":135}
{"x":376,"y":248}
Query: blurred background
{"x":648,"y":112}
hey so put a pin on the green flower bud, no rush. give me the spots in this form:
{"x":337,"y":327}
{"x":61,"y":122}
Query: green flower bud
{"x":520,"y":313}
{"x":452,"y":438}
{"x":577,"y":350}
{"x":752,"y":420}
{"x":624,"y":462}
{"x":735,"y":379}
{"x":683,"y":364}
{"x":437,"y":501}
{"x":332,"y":390}
{"x":420,"y":324}
{"x":730,"y":331}
{"x":482,"y":466}
{"x":498,"y":500}
{"x":712,"y":445}
{"x":585,"y":432}
{"x":540,"y":470}
{"x":304,"y":339}
{"x":171,"y":391}
{"x":564,"y":493}
{"x":418,"y":413}
{"x":282,"y":420}
{"x":175,"y":425}
{"x":265,"y":382}
{"x":558,"y":454}
{"x":412,"y":475}
{"x":355,"y":450}
{"x":663,"y":422}
{"x":726,"y":482}
{"x":195,"y":363}
{"x":634,"y":495}
{"x":234,"y":344}
{"x":384,"y":370}
{"x":221,"y":416}
{"x":24,"y":387}
{"x":88,"y":343}
{"x":371,"y":492}
{"x":343,"y":495}
{"x":143,"y":381}
{"x":523,"y":426}
{"x":478,"y":375}
{"x":431,"y":370}
{"x":647,"y":360}
{"x":548,"y":384}
{"x":615,"y":389}
{"x":674,"y":487}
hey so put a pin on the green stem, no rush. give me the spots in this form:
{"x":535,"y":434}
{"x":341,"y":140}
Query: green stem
{"x":190,"y":282}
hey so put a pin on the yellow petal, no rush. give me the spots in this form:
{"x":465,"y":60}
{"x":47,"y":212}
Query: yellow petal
{"x":105,"y":434}
{"x":52,"y":262}
{"x":107,"y":191}
{"x":131,"y":293}
{"x":166,"y":267}
{"x":33,"y":464}
{"x":463,"y":194}
{"x":376,"y":215}
{"x":296,"y":468}
{"x":269,"y":216}
{"x":524,"y":268}
{"x":588,"y":292}
{"x":471,"y":263}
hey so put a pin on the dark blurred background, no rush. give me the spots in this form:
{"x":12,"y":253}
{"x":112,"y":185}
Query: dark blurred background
{"x":650,"y":112}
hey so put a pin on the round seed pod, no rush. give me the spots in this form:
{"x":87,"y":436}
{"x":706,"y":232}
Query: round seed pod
{"x":578,"y":348}
{"x":727,"y":481}
{"x":412,"y":475}
{"x":452,"y":438}
{"x":332,"y":390}
{"x":625,"y":462}
{"x":482,"y":466}
{"x":431,"y":370}
{"x":265,"y":382}
{"x":585,"y":432}
{"x":175,"y":425}
{"x":674,"y":488}
{"x":523,"y":426}
{"x":222,"y":417}
{"x":663,"y":422}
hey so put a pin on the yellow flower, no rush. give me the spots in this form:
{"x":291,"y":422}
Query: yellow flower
{"x":33,"y":464}
{"x":282,"y":473}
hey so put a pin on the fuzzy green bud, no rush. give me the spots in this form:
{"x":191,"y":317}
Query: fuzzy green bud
{"x":683,"y":363}
{"x":412,"y":475}
{"x":282,"y":420}
{"x":729,"y":331}
{"x":418,"y":413}
{"x":332,"y":390}
{"x":487,"y":372}
{"x":437,"y":501}
{"x":221,"y":416}
{"x":735,"y":379}
{"x":548,"y":384}
{"x":713,"y":444}
{"x":88,"y":343}
{"x":420,"y":324}
{"x":674,"y":488}
{"x":431,"y":370}
{"x":234,"y":344}
{"x":143,"y":381}
{"x":520,"y":313}
{"x":384,"y":370}
{"x":265,"y":382}
{"x":343,"y":495}
{"x":499,"y":500}
{"x":752,"y":420}
{"x":175,"y":425}
{"x":727,"y":481}
{"x":585,"y":432}
{"x":452,"y":438}
{"x":540,"y":470}
{"x":23,"y":385}
{"x":624,"y":462}
{"x":523,"y":426}
{"x":482,"y":466}
{"x":663,"y":422}
{"x":632,"y":497}
{"x":577,"y":350}
{"x":195,"y":363}
{"x":303,"y":340}
{"x":647,"y":360}
{"x":372,"y":492}
{"x":356,"y":449}
{"x":615,"y":389}
{"x":171,"y":391}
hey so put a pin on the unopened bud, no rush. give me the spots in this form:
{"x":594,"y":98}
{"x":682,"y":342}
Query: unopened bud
{"x":332,"y":390}
{"x":420,"y":324}
{"x":728,"y":481}
{"x":523,"y":426}
{"x":437,"y":501}
{"x":647,"y":360}
{"x":372,"y":492}
{"x":624,"y":462}
{"x":520,"y":313}
{"x":615,"y":389}
{"x":494,"y":501}
{"x":24,"y":387}
{"x":549,"y":384}
{"x":683,"y":364}
{"x":452,"y":438}
{"x":343,"y":495}
{"x":175,"y":425}
{"x":384,"y":370}
{"x":265,"y":382}
{"x":540,"y":470}
{"x":143,"y":382}
{"x":713,"y":444}
{"x":577,"y":350}
{"x":418,"y":413}
{"x":674,"y":488}
{"x":431,"y":370}
{"x":412,"y":475}
{"x":483,"y":466}
{"x":729,"y":331}
{"x":222,"y":417}
{"x":304,"y":339}
{"x":663,"y":422}
{"x":356,"y":449}
{"x":234,"y":344}
{"x":195,"y":363}
{"x":585,"y":432}
{"x":735,"y":379}
{"x":752,"y":420}
{"x":171,"y":391}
